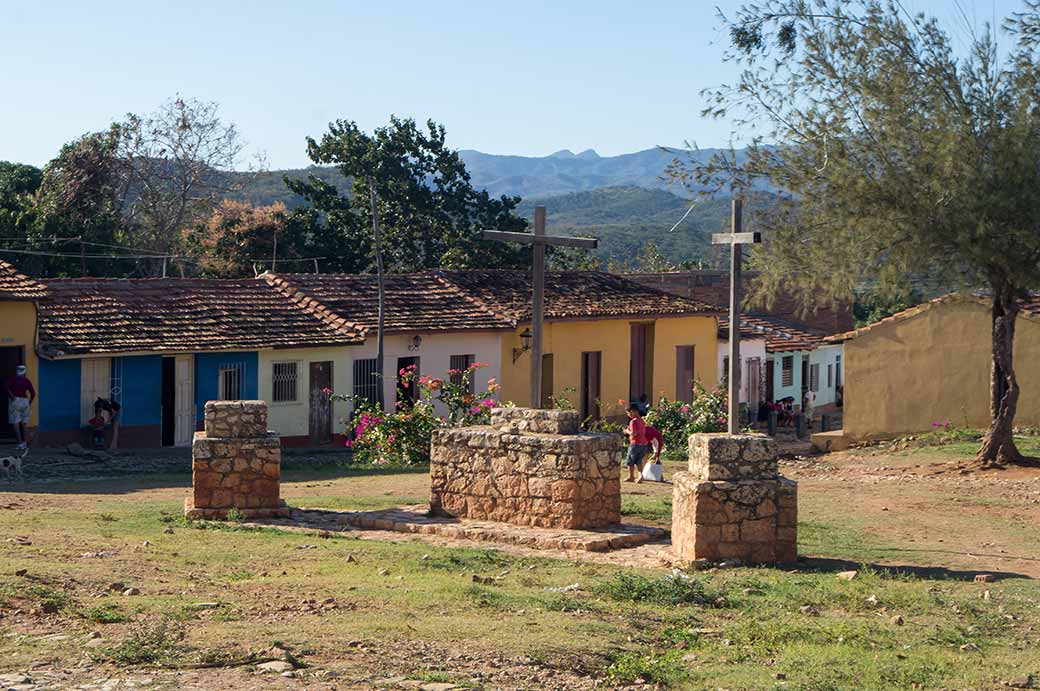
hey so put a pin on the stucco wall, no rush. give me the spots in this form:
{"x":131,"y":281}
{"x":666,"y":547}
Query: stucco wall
{"x":207,"y":377}
{"x":749,"y":349}
{"x":824,"y":356}
{"x":566,"y":341}
{"x":292,"y":419}
{"x":902,"y":376}
{"x":18,"y":329}
{"x":795,"y":389}
{"x":434,"y":355}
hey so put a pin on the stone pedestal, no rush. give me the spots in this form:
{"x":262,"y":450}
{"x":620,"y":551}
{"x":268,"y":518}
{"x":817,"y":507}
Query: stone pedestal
{"x":733,"y":504}
{"x":528,"y":467}
{"x":236,"y":464}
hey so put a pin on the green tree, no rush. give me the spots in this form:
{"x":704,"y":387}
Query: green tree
{"x":897,"y":156}
{"x":430,"y":213}
{"x":18,"y":185}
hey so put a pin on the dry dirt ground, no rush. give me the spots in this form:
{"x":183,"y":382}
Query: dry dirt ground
{"x":64,"y":542}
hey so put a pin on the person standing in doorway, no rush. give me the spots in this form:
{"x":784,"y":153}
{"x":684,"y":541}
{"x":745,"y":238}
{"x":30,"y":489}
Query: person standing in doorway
{"x":807,"y":407}
{"x":20,"y":395}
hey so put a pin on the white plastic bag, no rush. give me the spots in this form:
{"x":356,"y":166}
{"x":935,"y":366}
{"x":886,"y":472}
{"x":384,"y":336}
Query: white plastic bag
{"x":653,"y":472}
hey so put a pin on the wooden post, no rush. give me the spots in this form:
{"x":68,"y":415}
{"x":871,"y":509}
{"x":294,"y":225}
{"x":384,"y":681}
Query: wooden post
{"x":734,"y":321}
{"x":377,"y":238}
{"x":537,"y":306}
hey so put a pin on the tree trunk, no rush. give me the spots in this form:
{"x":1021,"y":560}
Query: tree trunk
{"x":998,"y":446}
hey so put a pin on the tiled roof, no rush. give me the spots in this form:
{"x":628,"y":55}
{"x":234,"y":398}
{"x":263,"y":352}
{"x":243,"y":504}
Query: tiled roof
{"x":108,"y":316}
{"x":780,"y":336}
{"x":414,"y":302}
{"x":15,"y":286}
{"x":572,"y":295}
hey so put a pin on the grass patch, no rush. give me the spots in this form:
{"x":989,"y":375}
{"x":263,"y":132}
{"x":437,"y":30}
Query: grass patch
{"x":675,"y":589}
{"x":654,"y":509}
{"x":665,"y":669}
{"x":107,"y":613}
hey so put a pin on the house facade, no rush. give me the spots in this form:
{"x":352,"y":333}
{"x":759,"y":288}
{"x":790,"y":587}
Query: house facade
{"x":161,"y":348}
{"x":606,"y":339}
{"x":929,"y":365}
{"x":19,"y":296}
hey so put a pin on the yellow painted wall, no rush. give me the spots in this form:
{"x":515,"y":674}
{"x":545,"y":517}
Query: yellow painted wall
{"x":902,"y":376}
{"x":18,"y":328}
{"x":566,"y":341}
{"x":292,"y":419}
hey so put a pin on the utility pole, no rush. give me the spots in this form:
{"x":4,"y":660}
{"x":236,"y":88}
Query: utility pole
{"x":378,"y":240}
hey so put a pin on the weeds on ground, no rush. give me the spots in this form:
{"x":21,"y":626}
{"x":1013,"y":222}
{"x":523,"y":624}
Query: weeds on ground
{"x":147,"y":642}
{"x":107,"y":613}
{"x":49,"y":598}
{"x":676,"y":588}
{"x":664,"y":669}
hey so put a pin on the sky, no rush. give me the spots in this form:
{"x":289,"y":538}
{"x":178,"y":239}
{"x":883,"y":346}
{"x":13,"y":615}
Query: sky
{"x":516,"y":78}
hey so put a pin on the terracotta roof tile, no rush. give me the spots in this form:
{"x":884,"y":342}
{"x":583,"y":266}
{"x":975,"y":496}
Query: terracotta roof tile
{"x":780,"y":336}
{"x":414,"y":302}
{"x":107,"y":316}
{"x":16,"y":286}
{"x":572,"y":295}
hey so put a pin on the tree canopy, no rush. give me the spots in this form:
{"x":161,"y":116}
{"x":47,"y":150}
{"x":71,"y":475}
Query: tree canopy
{"x":430,"y":212}
{"x":897,"y":156}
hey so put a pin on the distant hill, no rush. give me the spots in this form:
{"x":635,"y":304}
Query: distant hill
{"x":623,"y":200}
{"x":626,"y":218}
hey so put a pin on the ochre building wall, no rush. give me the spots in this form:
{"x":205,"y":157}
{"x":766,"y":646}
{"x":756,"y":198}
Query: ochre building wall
{"x":903,"y":375}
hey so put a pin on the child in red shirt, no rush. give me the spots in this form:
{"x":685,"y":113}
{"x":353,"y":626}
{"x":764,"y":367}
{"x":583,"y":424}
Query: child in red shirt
{"x":637,"y":446}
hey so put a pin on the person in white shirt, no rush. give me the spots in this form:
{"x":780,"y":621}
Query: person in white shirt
{"x":807,"y":406}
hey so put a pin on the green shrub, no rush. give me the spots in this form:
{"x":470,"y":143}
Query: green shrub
{"x":147,"y":643}
{"x":677,"y":420}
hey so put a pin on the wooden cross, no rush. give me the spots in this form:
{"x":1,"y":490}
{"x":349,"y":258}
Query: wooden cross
{"x":539,"y":240}
{"x":735,"y":239}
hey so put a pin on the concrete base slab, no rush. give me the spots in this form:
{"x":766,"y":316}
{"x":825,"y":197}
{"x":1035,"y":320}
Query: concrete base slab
{"x":835,"y":440}
{"x":416,"y":520}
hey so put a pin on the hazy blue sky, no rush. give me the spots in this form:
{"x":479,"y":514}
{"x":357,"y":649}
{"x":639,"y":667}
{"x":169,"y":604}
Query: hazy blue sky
{"x":523,"y":78}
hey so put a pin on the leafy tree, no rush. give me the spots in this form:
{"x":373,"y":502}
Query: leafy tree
{"x":81,"y":196}
{"x":897,"y":156}
{"x":18,"y":185}
{"x":431,"y":215}
{"x":237,"y":235}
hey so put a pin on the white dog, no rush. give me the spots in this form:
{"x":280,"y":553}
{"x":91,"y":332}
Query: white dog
{"x":12,"y":465}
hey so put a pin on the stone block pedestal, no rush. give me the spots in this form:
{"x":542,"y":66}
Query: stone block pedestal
{"x":529,"y":467}
{"x":733,"y":504}
{"x":236,"y":464}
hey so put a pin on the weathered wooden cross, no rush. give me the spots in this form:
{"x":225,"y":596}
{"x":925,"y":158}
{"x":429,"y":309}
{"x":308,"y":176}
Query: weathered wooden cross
{"x":539,"y":240}
{"x":735,"y":239}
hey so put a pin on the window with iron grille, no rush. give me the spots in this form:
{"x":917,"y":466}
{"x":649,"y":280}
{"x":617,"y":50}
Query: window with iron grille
{"x":837,"y":370}
{"x":283,"y":382}
{"x":461,"y":363}
{"x":814,"y":378}
{"x":830,"y":376}
{"x":787,"y":371}
{"x":366,"y":380}
{"x":725,"y":371}
{"x":230,"y":385}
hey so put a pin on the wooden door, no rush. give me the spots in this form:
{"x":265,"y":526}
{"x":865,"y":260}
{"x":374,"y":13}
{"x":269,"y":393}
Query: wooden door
{"x":591,"y":372}
{"x":321,"y":402}
{"x":95,"y":383}
{"x":754,"y":386}
{"x":641,"y":366}
{"x":684,"y":376}
{"x":770,"y":373}
{"x":184,"y":400}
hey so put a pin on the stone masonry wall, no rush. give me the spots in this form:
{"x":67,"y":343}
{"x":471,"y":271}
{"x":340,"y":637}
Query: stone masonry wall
{"x":236,"y":463}
{"x":521,"y":469}
{"x":733,"y":503}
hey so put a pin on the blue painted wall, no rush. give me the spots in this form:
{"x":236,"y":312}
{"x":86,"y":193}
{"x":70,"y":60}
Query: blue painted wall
{"x":59,"y":394}
{"x":207,"y":376}
{"x":141,"y":382}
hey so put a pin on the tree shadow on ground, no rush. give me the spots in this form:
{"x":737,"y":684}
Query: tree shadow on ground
{"x":113,"y":481}
{"x":828,"y":565}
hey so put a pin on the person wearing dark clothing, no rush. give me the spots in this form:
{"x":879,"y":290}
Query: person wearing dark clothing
{"x":20,"y":396}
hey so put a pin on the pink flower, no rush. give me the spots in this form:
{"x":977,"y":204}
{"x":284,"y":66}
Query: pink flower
{"x":327,"y":391}
{"x":348,"y":443}
{"x":488,"y":403}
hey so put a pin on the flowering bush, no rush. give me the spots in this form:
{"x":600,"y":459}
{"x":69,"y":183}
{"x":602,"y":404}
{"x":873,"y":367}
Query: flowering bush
{"x":402,"y":436}
{"x":677,"y":420}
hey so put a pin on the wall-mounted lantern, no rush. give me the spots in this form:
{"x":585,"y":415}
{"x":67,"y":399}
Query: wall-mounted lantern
{"x":526,"y":337}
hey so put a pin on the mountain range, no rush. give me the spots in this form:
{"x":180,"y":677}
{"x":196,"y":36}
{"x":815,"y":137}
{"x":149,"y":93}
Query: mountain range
{"x":623,"y":200}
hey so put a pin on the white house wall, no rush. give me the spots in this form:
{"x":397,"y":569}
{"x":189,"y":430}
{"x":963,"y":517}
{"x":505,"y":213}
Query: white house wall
{"x":292,"y":419}
{"x":749,"y":349}
{"x":824,"y":356}
{"x":434,"y":355}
